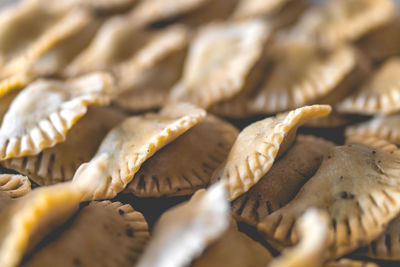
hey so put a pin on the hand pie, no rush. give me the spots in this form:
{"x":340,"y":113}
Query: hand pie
{"x":184,"y":231}
{"x":145,"y":80}
{"x":108,"y":233}
{"x":238,"y":106}
{"x":335,"y":22}
{"x":200,"y":151}
{"x":146,"y":88}
{"x":383,"y":127}
{"x":42,"y":114}
{"x":202,"y":233}
{"x":21,"y":47}
{"x":24,"y":223}
{"x":118,"y":40}
{"x":383,"y":42}
{"x":314,"y":74}
{"x":50,"y":62}
{"x":56,"y":59}
{"x":281,"y":183}
{"x":379,"y":95}
{"x":59,"y":163}
{"x":257,"y":146}
{"x":218,"y":62}
{"x":128,"y":145}
{"x":357,"y":185}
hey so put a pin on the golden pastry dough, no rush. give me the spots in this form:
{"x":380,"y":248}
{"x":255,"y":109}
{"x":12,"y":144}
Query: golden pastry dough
{"x":119,"y":39}
{"x":219,"y":60}
{"x":387,"y":128}
{"x":183,"y":232}
{"x":19,"y":49}
{"x":59,"y":163}
{"x":378,"y":96}
{"x":200,"y":151}
{"x":238,"y":106}
{"x":281,"y":183}
{"x":127,"y":146}
{"x":29,"y":219}
{"x":257,"y":146}
{"x":144,"y":81}
{"x":56,"y":59}
{"x":313,"y":229}
{"x":147,"y":88}
{"x":313,"y":72}
{"x":14,"y":82}
{"x":338,"y":21}
{"x":102,"y":233}
{"x":357,"y":185}
{"x":383,"y":42}
{"x":42,"y":114}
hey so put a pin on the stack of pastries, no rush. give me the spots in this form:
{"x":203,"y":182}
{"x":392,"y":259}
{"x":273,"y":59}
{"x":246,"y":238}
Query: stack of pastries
{"x":200,"y":133}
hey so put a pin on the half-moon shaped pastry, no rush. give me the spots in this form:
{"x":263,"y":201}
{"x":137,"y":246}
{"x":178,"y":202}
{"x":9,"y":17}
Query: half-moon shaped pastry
{"x":219,"y":59}
{"x":128,"y":145}
{"x":29,"y":219}
{"x":335,"y":22}
{"x":379,"y":95}
{"x":258,"y":145}
{"x":357,"y":185}
{"x":183,"y":232}
{"x":101,"y":233}
{"x":59,"y":163}
{"x":384,"y":127}
{"x":282,"y":182}
{"x":200,"y":151}
{"x":42,"y":114}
